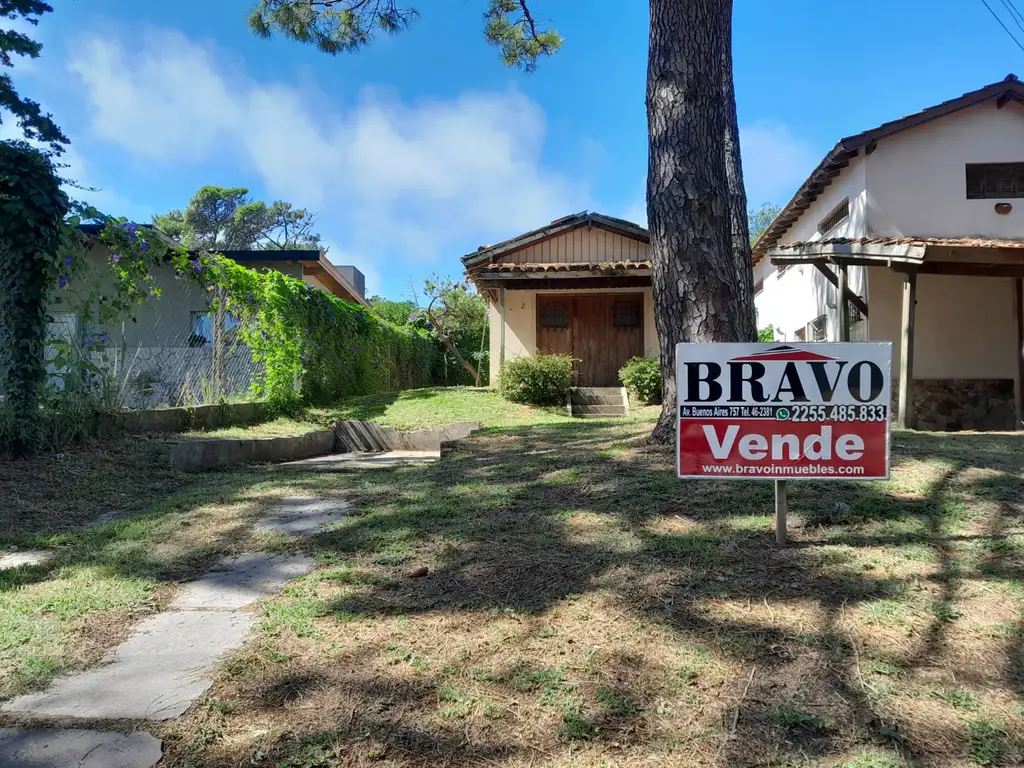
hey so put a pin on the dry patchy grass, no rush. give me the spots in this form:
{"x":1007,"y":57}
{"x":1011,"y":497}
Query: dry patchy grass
{"x":585,"y":608}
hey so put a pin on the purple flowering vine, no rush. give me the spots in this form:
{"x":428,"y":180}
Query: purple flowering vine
{"x":67,"y":261}
{"x":63,"y":281}
{"x":143,"y":245}
{"x":116,"y":257}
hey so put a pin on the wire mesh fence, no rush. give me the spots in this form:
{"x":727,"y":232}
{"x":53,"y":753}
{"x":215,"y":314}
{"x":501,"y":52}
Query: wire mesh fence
{"x":174,"y":349}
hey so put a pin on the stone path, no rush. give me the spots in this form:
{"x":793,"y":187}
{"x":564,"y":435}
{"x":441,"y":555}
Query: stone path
{"x":166,"y":664}
{"x":60,"y":747}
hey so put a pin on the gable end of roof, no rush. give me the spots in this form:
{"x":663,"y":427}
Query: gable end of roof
{"x":557,"y":227}
{"x":846,"y":149}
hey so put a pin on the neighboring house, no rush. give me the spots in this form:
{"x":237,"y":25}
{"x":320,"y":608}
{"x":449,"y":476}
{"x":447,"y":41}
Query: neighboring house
{"x":169,"y":353}
{"x":924,"y":216}
{"x":580,"y":286}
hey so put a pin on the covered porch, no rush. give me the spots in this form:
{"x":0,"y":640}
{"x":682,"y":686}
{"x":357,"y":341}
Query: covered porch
{"x":601,"y":314}
{"x":953,"y":309}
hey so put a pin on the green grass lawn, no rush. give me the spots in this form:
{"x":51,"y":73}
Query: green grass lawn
{"x":412,"y":409}
{"x":583,"y":607}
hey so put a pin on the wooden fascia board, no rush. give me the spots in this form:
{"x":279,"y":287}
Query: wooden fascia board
{"x":562,"y":274}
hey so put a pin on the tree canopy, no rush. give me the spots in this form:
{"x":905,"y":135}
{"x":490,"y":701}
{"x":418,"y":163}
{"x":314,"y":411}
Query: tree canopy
{"x":35,"y":124}
{"x":338,"y":26}
{"x":220,"y":218}
{"x":761,"y":218}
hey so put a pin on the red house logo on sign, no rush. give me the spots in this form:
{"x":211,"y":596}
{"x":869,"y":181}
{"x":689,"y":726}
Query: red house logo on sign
{"x":811,"y":411}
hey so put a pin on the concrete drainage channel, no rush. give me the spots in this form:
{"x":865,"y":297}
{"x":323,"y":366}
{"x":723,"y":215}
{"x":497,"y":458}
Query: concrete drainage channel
{"x":359,"y":443}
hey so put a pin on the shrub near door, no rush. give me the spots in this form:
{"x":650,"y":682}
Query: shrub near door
{"x":642,"y":378}
{"x":537,"y":380}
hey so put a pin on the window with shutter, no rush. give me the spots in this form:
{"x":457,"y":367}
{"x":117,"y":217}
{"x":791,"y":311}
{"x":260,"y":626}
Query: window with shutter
{"x":554,"y":316}
{"x":835,"y":217}
{"x":992,"y":181}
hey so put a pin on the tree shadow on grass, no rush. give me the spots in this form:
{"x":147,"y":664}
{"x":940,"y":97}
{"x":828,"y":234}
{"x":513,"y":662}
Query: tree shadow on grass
{"x":492,"y":522}
{"x":521,"y":523}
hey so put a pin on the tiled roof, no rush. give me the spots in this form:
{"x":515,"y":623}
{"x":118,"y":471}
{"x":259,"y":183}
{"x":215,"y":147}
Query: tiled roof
{"x":1008,"y":89}
{"x":597,"y":266}
{"x":941,"y":242}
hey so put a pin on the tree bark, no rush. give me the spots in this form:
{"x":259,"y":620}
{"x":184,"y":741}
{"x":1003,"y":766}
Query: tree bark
{"x":698,"y":285}
{"x":451,"y":347}
{"x":737,"y":192}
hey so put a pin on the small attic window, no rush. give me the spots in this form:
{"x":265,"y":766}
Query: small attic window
{"x":988,"y":181}
{"x":835,"y":217}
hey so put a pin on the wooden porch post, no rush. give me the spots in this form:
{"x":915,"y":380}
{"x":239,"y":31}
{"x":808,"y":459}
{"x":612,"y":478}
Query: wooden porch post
{"x":844,"y":305}
{"x":1018,"y":379}
{"x":906,"y":417}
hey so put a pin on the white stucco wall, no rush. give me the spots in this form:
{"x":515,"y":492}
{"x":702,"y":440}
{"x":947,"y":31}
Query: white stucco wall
{"x":791,"y":299}
{"x":964,"y":326}
{"x":521,"y":324}
{"x":851,"y":184}
{"x":916,"y":180}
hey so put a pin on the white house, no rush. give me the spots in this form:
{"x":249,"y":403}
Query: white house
{"x":920,"y":218}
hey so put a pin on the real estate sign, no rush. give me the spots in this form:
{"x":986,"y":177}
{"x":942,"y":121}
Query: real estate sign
{"x":784,"y":412}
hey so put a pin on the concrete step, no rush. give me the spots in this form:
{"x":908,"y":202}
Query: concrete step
{"x":615,"y":399}
{"x":591,"y":411}
{"x":596,"y":396}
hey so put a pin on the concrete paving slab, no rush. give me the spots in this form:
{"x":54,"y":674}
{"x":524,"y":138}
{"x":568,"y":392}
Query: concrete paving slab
{"x":28,"y":557}
{"x":302,"y":515}
{"x":155,"y":674}
{"x":238,"y":581}
{"x":365,"y":460}
{"x":70,"y":748}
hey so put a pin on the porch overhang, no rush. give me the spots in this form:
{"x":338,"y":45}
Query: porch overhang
{"x":926,"y":255}
{"x":913,"y":256}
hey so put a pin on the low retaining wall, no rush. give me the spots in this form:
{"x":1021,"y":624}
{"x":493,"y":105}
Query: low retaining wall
{"x":355,"y":436}
{"x":186,"y":419}
{"x":345,"y":437}
{"x":193,"y":455}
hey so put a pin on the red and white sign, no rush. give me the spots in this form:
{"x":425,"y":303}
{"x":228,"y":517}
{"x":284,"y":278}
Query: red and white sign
{"x":784,"y":412}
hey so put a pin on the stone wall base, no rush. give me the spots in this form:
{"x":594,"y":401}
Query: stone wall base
{"x":950,"y":405}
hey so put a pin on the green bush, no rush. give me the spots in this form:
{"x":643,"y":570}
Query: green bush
{"x":642,"y":377}
{"x":538,"y":380}
{"x":766,"y":335}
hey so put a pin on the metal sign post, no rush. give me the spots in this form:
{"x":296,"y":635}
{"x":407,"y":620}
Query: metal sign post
{"x":781,"y":412}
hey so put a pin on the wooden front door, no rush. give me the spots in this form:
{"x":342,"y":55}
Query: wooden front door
{"x":601,"y":331}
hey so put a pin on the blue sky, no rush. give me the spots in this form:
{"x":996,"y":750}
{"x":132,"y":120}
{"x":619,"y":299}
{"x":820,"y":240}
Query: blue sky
{"x":422,"y":147}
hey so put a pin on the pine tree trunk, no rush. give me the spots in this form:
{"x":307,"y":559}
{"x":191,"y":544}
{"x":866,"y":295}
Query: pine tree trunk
{"x":737,"y":193}
{"x":698,"y":293}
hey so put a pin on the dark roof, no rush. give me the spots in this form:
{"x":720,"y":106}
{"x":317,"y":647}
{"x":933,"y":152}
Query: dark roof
{"x":556,"y":227}
{"x":568,"y":266}
{"x":1008,"y":89}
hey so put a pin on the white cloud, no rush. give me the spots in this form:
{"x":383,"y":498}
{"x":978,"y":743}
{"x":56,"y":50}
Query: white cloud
{"x":385,"y":176}
{"x":775,"y":162}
